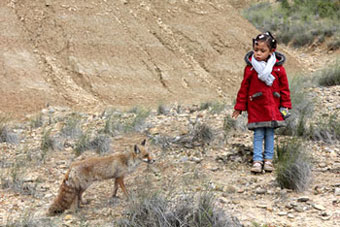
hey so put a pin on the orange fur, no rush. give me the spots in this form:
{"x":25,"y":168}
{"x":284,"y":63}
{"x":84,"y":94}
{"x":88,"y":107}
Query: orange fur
{"x":83,"y":173}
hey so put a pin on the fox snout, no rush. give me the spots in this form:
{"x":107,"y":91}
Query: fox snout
{"x":149,"y":160}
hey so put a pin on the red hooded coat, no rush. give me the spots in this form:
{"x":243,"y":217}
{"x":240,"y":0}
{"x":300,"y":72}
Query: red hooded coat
{"x":263,"y":102}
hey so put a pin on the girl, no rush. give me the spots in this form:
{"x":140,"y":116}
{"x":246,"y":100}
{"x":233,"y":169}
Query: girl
{"x":265,"y":95}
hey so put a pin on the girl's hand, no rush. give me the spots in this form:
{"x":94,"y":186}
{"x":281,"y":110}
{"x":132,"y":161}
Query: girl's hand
{"x":236,"y":113}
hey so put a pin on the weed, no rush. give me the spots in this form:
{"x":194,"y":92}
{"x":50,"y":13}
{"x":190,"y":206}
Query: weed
{"x":330,"y":76}
{"x":302,"y":108}
{"x":326,"y":129}
{"x":229,"y":124}
{"x":71,"y":128}
{"x":298,"y":22}
{"x":82,"y":144}
{"x":37,"y":121}
{"x":202,"y":134}
{"x":156,"y":211}
{"x":162,"y":110}
{"x":213,"y":107}
{"x":293,"y":166}
{"x":102,"y":144}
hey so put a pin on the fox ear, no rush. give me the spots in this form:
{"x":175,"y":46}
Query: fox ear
{"x":137,"y":151}
{"x":143,"y":142}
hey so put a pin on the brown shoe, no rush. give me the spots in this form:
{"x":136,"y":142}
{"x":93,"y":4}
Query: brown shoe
{"x":268,"y":166}
{"x":257,"y":167}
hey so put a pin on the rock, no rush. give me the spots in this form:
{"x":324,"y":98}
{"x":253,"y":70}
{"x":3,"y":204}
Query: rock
{"x":299,"y":209}
{"x":303,"y":199}
{"x":337,"y":192}
{"x":291,"y":216}
{"x":264,"y":206}
{"x":229,"y":189}
{"x":198,"y":160}
{"x":282,"y":213}
{"x":318,"y":207}
{"x":322,"y":165}
{"x":68,"y":217}
{"x":260,"y":191}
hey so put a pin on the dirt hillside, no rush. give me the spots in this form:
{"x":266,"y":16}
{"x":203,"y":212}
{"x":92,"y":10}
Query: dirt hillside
{"x":90,"y":54}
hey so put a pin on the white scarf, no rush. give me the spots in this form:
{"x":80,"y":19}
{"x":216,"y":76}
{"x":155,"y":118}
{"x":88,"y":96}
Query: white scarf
{"x":264,"y":69}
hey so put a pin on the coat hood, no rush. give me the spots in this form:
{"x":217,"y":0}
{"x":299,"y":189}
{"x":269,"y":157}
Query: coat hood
{"x":280,"y":58}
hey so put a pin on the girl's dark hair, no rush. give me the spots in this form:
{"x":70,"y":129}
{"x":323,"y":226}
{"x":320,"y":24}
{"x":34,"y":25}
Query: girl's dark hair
{"x":268,"y":38}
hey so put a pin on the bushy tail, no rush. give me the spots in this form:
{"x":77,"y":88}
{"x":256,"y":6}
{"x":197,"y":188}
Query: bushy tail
{"x":63,"y":201}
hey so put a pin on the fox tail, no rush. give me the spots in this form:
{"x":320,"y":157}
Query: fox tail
{"x":66,"y":196}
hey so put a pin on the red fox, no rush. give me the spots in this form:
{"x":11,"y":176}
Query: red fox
{"x":83,"y":173}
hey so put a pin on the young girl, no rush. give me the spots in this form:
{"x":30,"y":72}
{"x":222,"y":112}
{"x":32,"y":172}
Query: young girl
{"x":265,"y":95}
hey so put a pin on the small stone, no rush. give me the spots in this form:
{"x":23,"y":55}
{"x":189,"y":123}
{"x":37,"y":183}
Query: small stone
{"x":322,"y":165}
{"x":223,"y":200}
{"x":229,"y":189}
{"x":337,"y":191}
{"x":260,"y":191}
{"x":282,"y":213}
{"x":68,"y":217}
{"x":241,"y":190}
{"x":290,"y":216}
{"x":234,"y":201}
{"x":198,"y":160}
{"x":303,"y":199}
{"x":325,"y":218}
{"x":264,"y":206}
{"x":318,"y":207}
{"x":298,"y":209}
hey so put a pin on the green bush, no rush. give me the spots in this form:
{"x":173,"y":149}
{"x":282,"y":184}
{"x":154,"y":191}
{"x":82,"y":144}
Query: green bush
{"x":293,"y":166}
{"x":299,"y":22}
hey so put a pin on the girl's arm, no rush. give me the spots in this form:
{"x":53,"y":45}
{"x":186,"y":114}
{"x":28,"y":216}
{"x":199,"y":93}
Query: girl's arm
{"x":242,"y":95}
{"x":284,"y":89}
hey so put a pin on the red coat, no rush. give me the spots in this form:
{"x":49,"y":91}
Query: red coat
{"x":263,"y":102}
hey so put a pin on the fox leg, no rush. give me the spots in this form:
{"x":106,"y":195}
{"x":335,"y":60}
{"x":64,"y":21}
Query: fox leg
{"x":80,"y":198}
{"x":115,"y":189}
{"x":119,"y":181}
{"x":75,"y":203}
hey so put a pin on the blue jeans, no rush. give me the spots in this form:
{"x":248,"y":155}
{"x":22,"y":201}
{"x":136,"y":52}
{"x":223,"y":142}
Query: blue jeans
{"x":266,"y":135}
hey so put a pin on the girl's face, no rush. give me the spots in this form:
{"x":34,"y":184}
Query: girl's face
{"x":261,"y":51}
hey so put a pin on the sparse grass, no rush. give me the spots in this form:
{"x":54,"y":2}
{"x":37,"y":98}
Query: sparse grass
{"x":153,"y":210}
{"x":202,"y":134}
{"x":213,"y":107}
{"x":50,"y":142}
{"x":229,"y":124}
{"x":330,"y":76}
{"x":102,"y":144}
{"x":298,"y":22}
{"x":327,"y":129}
{"x":132,"y":121}
{"x":37,"y":121}
{"x":13,"y":180}
{"x":162,"y":110}
{"x":138,"y":120}
{"x":293,"y":166}
{"x":28,"y":220}
{"x":72,"y":127}
{"x":83,"y":143}
{"x":302,"y":108}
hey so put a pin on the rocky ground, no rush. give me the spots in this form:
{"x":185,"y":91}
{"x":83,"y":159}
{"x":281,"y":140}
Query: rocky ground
{"x":219,"y":162}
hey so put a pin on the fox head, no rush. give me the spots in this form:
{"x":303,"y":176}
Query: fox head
{"x":142,"y":153}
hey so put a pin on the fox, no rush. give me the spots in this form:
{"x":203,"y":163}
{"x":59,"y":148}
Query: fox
{"x":82,"y":174}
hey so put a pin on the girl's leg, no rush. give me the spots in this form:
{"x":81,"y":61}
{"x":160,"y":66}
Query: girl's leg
{"x":258,"y":144}
{"x":268,"y":143}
